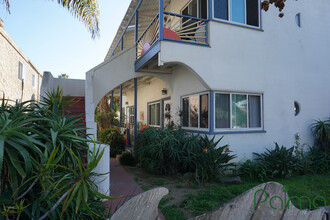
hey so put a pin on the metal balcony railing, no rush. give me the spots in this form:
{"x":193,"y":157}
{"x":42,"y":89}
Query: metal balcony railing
{"x":176,"y":27}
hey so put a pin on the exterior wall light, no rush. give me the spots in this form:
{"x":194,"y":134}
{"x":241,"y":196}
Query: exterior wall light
{"x":164,"y":91}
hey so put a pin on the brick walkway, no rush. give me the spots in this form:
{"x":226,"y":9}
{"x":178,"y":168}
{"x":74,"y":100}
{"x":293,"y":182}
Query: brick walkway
{"x":123,"y":185}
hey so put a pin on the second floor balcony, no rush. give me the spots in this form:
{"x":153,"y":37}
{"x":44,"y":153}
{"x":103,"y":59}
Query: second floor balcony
{"x":153,"y":21}
{"x":149,"y":22}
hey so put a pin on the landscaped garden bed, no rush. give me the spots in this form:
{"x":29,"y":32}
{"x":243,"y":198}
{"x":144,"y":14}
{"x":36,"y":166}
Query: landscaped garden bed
{"x":192,"y":167}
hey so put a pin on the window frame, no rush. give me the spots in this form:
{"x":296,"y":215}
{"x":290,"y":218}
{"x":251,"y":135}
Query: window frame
{"x":247,"y":113}
{"x":160,"y":112}
{"x":198,"y":9}
{"x":129,"y":114}
{"x":237,"y":23}
{"x":20,"y":70}
{"x":34,"y":84}
{"x":199,"y":94}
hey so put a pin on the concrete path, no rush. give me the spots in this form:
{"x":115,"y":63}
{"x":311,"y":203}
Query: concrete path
{"x":123,"y":185}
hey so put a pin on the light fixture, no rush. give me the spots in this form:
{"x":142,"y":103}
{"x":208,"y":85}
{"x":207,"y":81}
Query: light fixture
{"x":164,"y":91}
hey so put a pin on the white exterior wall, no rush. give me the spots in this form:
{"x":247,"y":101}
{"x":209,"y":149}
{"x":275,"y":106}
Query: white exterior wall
{"x":284,"y":62}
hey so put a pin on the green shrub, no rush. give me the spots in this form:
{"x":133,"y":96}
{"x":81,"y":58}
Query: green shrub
{"x":127,"y":159}
{"x":114,"y":139}
{"x":278,"y":162}
{"x":253,"y":170}
{"x":159,"y":150}
{"x":173,"y":151}
{"x":321,"y":131}
{"x":41,"y":168}
{"x":319,"y":160}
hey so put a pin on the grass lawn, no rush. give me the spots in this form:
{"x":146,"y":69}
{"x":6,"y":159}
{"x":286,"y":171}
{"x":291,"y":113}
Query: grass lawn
{"x":216,"y":195}
{"x":187,"y":200}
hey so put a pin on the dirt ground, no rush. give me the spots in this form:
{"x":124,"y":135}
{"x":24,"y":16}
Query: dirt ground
{"x":178,"y":186}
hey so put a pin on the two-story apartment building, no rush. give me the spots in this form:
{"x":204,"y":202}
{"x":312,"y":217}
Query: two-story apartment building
{"x":19,"y":78}
{"x":219,"y":67}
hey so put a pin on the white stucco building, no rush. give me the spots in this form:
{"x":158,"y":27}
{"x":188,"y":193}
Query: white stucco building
{"x":225,"y":68}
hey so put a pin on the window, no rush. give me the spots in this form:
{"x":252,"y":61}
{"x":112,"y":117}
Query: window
{"x":195,"y":8}
{"x":154,"y":114}
{"x":195,"y":111}
{"x":298,"y":20}
{"x":21,"y":71}
{"x":34,"y":80}
{"x":238,"y":11}
{"x":237,"y":111}
{"x":131,"y":114}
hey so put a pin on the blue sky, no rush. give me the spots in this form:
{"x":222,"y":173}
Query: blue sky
{"x":56,"y":41}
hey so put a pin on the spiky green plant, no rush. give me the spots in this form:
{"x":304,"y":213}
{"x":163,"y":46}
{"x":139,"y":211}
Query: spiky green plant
{"x":18,"y":143}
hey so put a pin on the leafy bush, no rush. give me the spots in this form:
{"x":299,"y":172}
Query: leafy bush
{"x":173,"y":151}
{"x":127,"y":159}
{"x":253,"y":170}
{"x":42,"y":175}
{"x":319,"y":160}
{"x":278,"y":162}
{"x":114,"y":139}
{"x":209,"y":160}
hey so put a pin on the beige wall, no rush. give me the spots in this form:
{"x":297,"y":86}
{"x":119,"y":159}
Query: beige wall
{"x":10,"y":85}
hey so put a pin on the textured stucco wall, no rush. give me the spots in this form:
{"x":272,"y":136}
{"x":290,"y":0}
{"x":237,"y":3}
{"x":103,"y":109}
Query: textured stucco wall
{"x":10,"y":55}
{"x":283,"y":62}
{"x":70,"y":87}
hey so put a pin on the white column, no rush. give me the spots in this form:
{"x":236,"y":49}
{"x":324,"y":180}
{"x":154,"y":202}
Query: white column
{"x":103,"y":182}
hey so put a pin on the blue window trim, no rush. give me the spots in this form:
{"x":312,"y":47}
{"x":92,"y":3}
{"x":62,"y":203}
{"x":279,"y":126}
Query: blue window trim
{"x":225,"y":132}
{"x":212,"y":18}
{"x":209,"y":106}
{"x":211,"y":129}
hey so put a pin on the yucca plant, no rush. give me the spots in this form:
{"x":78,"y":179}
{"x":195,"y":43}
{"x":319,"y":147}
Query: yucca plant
{"x":55,"y":101}
{"x":41,"y":167}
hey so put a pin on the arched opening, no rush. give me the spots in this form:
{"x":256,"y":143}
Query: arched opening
{"x":133,"y":105}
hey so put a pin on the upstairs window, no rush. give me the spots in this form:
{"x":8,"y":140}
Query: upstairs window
{"x":21,"y":71}
{"x":237,"y":11}
{"x":34,"y":83}
{"x":195,"y":8}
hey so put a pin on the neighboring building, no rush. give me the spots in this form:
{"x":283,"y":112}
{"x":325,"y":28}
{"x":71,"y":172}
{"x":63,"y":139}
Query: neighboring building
{"x":19,"y":78}
{"x":220,"y":67}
